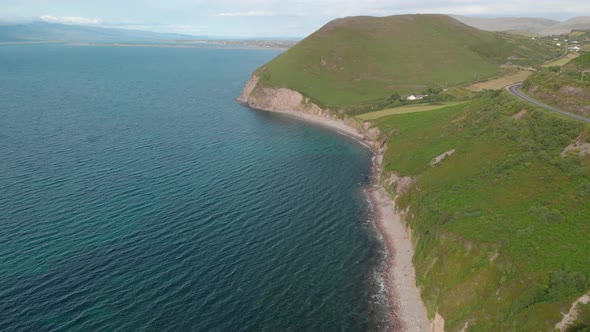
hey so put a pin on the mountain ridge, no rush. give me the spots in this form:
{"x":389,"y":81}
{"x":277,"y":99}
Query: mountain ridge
{"x":537,"y":25}
{"x":44,"y":31}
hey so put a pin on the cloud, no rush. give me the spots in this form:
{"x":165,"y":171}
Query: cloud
{"x":71,"y":20}
{"x":248,"y":13}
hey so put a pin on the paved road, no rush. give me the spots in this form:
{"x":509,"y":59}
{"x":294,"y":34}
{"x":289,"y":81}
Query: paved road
{"x":514,"y":89}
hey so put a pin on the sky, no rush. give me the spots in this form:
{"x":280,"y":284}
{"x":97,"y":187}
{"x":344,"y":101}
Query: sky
{"x":263,"y":18}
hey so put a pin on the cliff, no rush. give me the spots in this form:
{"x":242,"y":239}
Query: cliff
{"x":286,"y":101}
{"x":408,"y":312}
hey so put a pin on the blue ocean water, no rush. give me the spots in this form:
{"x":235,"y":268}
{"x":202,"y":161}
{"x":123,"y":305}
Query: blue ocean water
{"x":136,"y":194}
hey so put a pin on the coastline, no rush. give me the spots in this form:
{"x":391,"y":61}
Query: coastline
{"x":407,"y":311}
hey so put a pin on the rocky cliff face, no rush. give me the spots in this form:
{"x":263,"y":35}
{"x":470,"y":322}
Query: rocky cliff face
{"x":287,"y":101}
{"x":291,"y":102}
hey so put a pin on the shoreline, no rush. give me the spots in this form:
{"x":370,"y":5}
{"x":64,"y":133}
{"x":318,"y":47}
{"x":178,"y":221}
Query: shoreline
{"x":406,"y":309}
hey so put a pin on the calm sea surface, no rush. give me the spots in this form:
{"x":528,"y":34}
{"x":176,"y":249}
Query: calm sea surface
{"x":136,"y":194}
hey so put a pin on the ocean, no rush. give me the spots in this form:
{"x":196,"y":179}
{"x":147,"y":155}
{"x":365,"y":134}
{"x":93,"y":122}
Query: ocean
{"x":136,"y":194}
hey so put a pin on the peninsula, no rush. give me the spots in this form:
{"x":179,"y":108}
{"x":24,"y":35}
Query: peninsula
{"x":482,"y":202}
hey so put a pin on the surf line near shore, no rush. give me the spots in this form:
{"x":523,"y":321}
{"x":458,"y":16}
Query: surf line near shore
{"x":407,"y":310}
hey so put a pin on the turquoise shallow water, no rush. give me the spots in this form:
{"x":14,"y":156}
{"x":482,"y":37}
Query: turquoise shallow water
{"x":136,"y":194}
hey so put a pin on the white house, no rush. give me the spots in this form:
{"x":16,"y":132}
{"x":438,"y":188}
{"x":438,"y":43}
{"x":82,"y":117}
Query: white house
{"x":415,"y":97}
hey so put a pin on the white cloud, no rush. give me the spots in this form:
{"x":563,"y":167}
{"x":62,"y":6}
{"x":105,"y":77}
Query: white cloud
{"x":248,"y":13}
{"x":71,"y":20}
{"x":267,"y":17}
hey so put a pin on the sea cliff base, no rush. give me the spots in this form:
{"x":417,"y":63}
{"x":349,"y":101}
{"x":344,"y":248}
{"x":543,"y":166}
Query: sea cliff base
{"x":408,"y":312}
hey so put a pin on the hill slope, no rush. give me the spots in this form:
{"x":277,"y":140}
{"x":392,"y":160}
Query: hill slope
{"x":576,"y":23}
{"x":359,"y":60}
{"x":534,"y":25}
{"x":530,"y":24}
{"x":500,"y":227}
{"x":494,"y":190}
{"x":563,"y":87}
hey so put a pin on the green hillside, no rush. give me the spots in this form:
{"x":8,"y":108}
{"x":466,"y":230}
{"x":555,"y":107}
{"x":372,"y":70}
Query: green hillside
{"x":501,"y":227}
{"x":360,"y":60}
{"x":567,"y":87}
{"x":580,"y":63}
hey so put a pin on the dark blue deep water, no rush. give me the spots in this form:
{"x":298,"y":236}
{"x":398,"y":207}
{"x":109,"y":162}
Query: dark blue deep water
{"x":136,"y":194}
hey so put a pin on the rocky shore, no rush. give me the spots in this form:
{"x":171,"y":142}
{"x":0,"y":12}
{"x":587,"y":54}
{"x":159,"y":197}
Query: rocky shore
{"x":407,"y":309}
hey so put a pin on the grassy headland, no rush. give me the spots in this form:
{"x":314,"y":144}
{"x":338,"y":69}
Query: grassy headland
{"x":361,"y":61}
{"x":500,"y":225}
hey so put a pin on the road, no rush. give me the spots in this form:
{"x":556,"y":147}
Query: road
{"x":514,"y":89}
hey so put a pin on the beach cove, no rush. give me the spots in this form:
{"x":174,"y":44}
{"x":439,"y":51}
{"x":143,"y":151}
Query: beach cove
{"x":406,"y":308}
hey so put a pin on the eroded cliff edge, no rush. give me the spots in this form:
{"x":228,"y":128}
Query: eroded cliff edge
{"x":408,"y":311}
{"x":287,"y":101}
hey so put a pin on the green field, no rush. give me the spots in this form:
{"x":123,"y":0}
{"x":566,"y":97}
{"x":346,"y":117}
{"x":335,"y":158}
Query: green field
{"x":363,"y":60}
{"x":561,"y":61}
{"x":501,"y":82}
{"x":501,"y":227}
{"x":405,"y":109}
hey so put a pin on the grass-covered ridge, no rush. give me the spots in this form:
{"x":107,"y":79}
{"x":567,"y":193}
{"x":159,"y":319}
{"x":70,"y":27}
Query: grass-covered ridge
{"x":502,"y":226}
{"x":361,"y":60}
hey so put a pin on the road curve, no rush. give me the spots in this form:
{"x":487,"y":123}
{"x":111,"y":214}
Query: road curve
{"x":514,"y":89}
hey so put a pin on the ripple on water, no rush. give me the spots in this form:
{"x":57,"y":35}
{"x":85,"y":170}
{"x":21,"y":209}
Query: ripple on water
{"x":133,"y":199}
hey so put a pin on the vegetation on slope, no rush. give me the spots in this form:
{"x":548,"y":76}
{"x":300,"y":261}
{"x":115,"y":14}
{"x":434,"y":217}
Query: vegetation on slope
{"x":567,"y":87}
{"x":501,"y":226}
{"x":357,"y":62}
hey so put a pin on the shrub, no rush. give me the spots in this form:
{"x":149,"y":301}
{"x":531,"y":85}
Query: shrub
{"x":564,"y":284}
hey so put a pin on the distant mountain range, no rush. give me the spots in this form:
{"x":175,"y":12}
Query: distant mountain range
{"x":40,"y":31}
{"x":540,"y":26}
{"x":43,"y":31}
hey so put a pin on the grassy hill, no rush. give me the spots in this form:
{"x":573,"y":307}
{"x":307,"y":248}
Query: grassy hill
{"x":363,"y":60}
{"x":563,"y":87}
{"x":532,"y":25}
{"x":576,"y":23}
{"x":501,"y":226}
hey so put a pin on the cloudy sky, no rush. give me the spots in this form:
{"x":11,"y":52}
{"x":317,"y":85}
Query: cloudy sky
{"x":264,"y":18}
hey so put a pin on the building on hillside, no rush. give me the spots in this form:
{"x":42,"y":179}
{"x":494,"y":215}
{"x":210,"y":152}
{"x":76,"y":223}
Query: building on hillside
{"x":416,"y":97}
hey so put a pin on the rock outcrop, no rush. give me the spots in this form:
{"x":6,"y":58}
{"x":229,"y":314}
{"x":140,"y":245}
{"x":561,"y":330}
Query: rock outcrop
{"x":283,"y":100}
